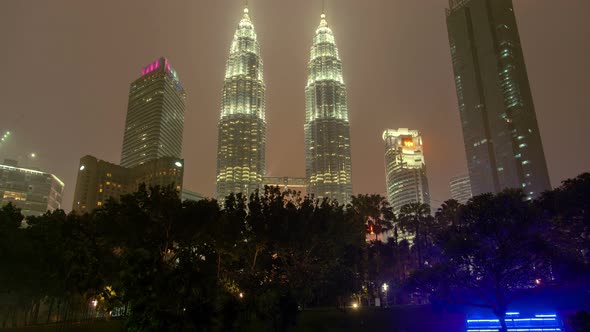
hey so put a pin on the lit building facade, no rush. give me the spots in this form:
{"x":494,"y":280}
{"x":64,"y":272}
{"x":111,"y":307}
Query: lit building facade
{"x":98,"y":180}
{"x":327,"y":131}
{"x":242,"y":126}
{"x":502,"y":140}
{"x":32,"y":191}
{"x":460,"y":188}
{"x":155,"y":116}
{"x":405,"y":168}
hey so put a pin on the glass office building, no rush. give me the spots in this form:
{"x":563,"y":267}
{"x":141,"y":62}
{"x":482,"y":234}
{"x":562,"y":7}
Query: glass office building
{"x":502,"y":140}
{"x":155,"y":116}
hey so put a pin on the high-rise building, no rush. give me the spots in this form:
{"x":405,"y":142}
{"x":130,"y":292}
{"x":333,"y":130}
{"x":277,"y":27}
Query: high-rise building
{"x":155,"y":116}
{"x":152,"y":142}
{"x":405,"y":168}
{"x":500,"y":131}
{"x":99,"y":180}
{"x":242,"y":126}
{"x":460,"y":188}
{"x":32,"y":191}
{"x":327,"y":131}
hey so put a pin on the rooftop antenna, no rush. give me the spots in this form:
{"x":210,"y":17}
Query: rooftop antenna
{"x":246,"y":6}
{"x":323,"y":16}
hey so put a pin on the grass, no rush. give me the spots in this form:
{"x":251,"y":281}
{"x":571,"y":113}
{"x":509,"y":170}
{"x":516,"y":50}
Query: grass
{"x":395,"y":319}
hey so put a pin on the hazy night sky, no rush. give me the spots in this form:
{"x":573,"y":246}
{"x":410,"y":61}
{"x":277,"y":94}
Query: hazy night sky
{"x":68,"y":64}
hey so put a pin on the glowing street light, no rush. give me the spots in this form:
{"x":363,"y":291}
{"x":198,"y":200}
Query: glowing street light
{"x":355,"y":305}
{"x":33,"y":155}
{"x":385,"y":287}
{"x":94,"y":303}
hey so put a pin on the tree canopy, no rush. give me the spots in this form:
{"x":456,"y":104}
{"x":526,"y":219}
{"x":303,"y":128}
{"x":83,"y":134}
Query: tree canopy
{"x":252,"y":263}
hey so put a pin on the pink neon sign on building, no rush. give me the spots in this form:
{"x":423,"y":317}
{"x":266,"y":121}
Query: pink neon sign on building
{"x":155,"y":65}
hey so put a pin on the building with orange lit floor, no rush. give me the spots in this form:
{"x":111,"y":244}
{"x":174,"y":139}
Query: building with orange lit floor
{"x":405,"y":168}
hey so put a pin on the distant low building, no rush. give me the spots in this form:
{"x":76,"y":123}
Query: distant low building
{"x":460,"y":188}
{"x":188,"y":195}
{"x":285,"y":182}
{"x":33,"y":191}
{"x":99,"y":180}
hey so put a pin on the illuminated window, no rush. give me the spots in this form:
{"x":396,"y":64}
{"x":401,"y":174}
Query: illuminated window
{"x":99,"y":203}
{"x":15,"y":196}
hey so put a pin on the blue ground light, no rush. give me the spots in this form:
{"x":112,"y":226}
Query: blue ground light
{"x":516,"y":322}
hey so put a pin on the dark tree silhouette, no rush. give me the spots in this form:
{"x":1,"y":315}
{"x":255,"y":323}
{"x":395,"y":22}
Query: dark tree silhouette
{"x":415,"y":220}
{"x":495,"y":254}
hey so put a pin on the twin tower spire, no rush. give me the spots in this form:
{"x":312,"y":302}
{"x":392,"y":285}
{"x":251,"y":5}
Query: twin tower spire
{"x":242,"y":126}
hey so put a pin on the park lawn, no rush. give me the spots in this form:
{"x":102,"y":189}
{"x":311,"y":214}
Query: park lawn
{"x":394,"y":319}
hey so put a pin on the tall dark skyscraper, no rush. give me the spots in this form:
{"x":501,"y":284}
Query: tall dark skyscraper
{"x":500,"y":131}
{"x":327,"y":132}
{"x":242,"y":127}
{"x":155,"y":116}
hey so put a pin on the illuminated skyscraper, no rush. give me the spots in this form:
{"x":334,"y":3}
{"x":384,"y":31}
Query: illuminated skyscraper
{"x":327,"y":132}
{"x":405,"y":168}
{"x":242,"y":126}
{"x":155,"y":116}
{"x":152,"y":143}
{"x":500,"y":131}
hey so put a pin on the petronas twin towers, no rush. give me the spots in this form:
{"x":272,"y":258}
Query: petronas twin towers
{"x":242,"y":126}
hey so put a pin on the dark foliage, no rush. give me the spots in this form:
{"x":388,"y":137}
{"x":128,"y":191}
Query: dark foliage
{"x":254,"y":262}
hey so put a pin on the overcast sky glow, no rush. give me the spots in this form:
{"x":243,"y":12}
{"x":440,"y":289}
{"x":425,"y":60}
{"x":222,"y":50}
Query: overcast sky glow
{"x":67,"y":67}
